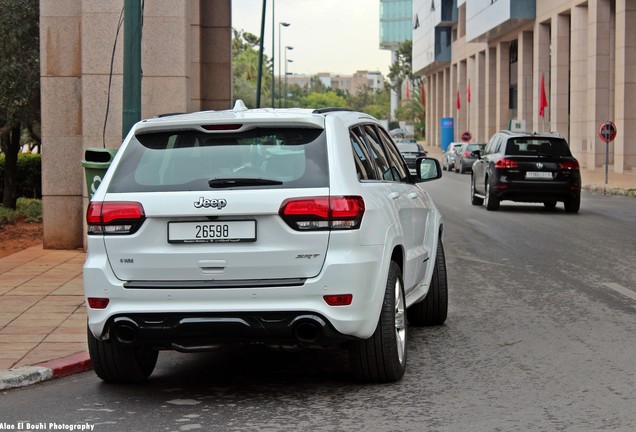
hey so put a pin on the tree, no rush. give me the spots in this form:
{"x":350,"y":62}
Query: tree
{"x":19,"y":83}
{"x":324,"y":100}
{"x":245,"y":53}
{"x":402,"y":68}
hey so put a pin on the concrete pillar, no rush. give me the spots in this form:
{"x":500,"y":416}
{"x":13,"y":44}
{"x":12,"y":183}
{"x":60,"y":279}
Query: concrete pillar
{"x":578,"y":83}
{"x":479,"y":98}
{"x":598,"y":78}
{"x":503,"y":86}
{"x":462,"y":114}
{"x":491,"y":90}
{"x":216,"y":54}
{"x":471,"y":121}
{"x":446,"y":79}
{"x":525,"y":78}
{"x":61,"y":87}
{"x":560,"y":75}
{"x":625,"y":145}
{"x":542,"y":69}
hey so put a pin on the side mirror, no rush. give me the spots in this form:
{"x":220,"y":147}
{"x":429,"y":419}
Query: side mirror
{"x":427,"y":169}
{"x":476,"y":153}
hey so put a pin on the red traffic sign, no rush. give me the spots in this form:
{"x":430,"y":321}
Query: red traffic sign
{"x":607,"y":131}
{"x":466,"y":136}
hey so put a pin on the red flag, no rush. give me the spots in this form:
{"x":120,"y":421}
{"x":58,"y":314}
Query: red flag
{"x":459,"y":105}
{"x":468,"y":92}
{"x":543,"y":100}
{"x":422,"y":95}
{"x":408,"y":94}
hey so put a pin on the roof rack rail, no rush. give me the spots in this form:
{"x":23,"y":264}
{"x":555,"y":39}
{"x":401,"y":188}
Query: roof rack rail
{"x":170,"y":114}
{"x":331,"y":109}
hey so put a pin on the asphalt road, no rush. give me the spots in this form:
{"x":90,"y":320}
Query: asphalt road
{"x":541,"y":336}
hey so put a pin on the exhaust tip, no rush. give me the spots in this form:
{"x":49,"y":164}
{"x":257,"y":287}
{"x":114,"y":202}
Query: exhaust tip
{"x":125,"y":331}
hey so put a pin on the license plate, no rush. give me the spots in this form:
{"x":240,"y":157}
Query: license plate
{"x":212,"y":232}
{"x":539,"y":175}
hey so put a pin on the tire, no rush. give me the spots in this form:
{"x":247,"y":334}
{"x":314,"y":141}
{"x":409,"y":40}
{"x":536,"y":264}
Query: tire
{"x":549,"y":204}
{"x":444,"y":166}
{"x":572,"y":205}
{"x":382,"y":357}
{"x":116,"y":363}
{"x":474,"y":200}
{"x":461,"y":168}
{"x":433,"y":309}
{"x":491,"y":202}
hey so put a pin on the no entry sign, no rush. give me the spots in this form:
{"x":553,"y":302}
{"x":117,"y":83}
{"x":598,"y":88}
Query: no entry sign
{"x":607,"y":131}
{"x":466,"y":136}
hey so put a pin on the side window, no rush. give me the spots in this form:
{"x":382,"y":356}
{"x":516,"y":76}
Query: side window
{"x":395,"y":158}
{"x":376,"y":152}
{"x":364,"y":164}
{"x":490,"y":148}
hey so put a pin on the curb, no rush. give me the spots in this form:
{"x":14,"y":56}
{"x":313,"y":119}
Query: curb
{"x":27,"y":375}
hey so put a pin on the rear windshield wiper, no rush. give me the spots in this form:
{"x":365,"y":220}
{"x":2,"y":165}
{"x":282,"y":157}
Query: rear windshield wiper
{"x":237,"y":181}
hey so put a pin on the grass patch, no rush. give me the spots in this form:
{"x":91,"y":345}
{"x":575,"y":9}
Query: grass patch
{"x":28,"y":209}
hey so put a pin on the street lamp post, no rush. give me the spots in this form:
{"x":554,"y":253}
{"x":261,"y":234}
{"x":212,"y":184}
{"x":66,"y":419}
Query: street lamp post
{"x":286,"y":73}
{"x":280,"y":25}
{"x":287,"y":48}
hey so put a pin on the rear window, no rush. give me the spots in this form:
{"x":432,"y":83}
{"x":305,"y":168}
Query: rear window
{"x":189,"y":160}
{"x":555,"y":147}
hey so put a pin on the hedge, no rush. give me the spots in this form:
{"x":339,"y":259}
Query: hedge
{"x":29,"y":176}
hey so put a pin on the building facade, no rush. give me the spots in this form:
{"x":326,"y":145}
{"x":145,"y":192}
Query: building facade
{"x":486,"y":64}
{"x":186,"y":63}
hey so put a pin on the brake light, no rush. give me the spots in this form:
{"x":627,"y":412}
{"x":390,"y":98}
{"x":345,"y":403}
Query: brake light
{"x":569,"y":165}
{"x":506,"y":163}
{"x":222,"y":127}
{"x":466,"y":154}
{"x":323,"y":213}
{"x":114,"y":217}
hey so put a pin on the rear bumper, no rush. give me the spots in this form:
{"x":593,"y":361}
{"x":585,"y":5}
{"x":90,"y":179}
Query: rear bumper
{"x":217,"y":312}
{"x":536,"y":191}
{"x":203,"y":331}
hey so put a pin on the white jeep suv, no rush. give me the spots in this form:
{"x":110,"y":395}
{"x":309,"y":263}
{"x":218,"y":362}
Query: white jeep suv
{"x":294,"y":226}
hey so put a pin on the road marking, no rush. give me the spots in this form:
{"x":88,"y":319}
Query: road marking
{"x":621,"y":289}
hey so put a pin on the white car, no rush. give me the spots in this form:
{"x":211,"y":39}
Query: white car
{"x":295,"y":226}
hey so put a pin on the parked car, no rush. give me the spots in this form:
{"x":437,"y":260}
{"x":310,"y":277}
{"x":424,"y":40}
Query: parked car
{"x":400,"y":133}
{"x":526,"y":167}
{"x":464,"y":158}
{"x":448,"y":158}
{"x":410,"y":151}
{"x":287,"y":227}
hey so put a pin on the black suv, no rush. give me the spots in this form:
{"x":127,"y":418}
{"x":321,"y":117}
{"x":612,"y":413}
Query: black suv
{"x":526,"y":167}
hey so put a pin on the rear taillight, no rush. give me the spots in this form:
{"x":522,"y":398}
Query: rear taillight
{"x":114,"y":217}
{"x":323,"y":213}
{"x":506,"y":163}
{"x":338,"y":299}
{"x":569,"y":165}
{"x":98,"y":302}
{"x":466,"y":154}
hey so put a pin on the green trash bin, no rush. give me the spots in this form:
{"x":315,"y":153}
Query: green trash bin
{"x":96,"y":162}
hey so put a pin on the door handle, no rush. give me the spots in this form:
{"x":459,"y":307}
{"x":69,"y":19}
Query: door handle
{"x":413,"y":195}
{"x":394,"y":195}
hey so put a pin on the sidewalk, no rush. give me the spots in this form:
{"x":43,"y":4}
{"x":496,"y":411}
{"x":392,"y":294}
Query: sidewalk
{"x":42,"y":313}
{"x":42,"y":316}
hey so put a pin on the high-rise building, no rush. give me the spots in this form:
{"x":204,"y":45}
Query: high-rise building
{"x":396,"y":26}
